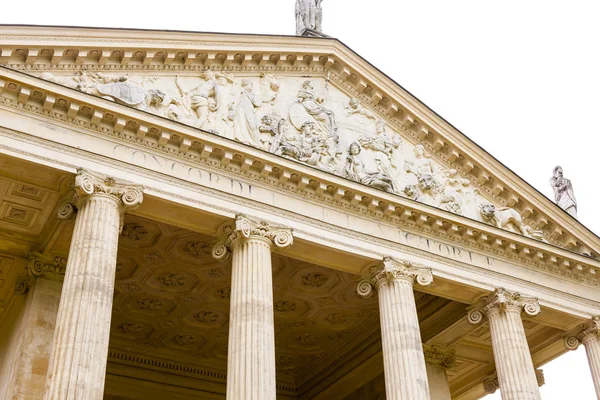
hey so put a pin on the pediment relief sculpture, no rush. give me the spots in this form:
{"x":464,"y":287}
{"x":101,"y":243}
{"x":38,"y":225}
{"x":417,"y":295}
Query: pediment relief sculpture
{"x":308,"y":120}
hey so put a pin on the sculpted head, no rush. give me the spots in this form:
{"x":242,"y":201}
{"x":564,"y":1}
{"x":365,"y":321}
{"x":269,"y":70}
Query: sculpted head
{"x":308,"y":128}
{"x":488,"y":210}
{"x":247,"y":84}
{"x":354,"y":103}
{"x":557,"y":172}
{"x":308,"y":85}
{"x":208,"y":75}
{"x":410,"y":191}
{"x":426,"y":182}
{"x":419,"y":151}
{"x":354,"y":148}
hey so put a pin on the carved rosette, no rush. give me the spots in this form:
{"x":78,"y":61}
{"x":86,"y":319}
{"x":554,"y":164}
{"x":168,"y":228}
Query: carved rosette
{"x":392,"y":269}
{"x":245,"y":228}
{"x":503,"y":300}
{"x":88,"y":183}
{"x":592,"y":327}
{"x":436,"y":355}
{"x":39,"y":265}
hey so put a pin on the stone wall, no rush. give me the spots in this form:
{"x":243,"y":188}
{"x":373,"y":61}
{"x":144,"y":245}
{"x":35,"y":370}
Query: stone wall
{"x":25,"y":339}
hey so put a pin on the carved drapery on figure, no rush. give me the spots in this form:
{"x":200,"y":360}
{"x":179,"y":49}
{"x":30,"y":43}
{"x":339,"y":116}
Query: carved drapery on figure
{"x":309,"y":121}
{"x":309,"y":15}
{"x":563,"y":192}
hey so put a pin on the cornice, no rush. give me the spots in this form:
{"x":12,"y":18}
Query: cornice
{"x":327,"y":227}
{"x":55,"y":48}
{"x":155,"y":134}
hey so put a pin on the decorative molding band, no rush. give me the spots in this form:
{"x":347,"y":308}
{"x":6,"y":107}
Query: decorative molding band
{"x":215,"y":152}
{"x":300,"y":55}
{"x":178,"y":182}
{"x":170,"y":367}
{"x":39,"y":265}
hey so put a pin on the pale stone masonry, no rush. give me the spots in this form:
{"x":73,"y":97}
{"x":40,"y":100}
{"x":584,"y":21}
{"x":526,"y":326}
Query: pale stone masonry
{"x":588,"y":336}
{"x":243,"y":144}
{"x":404,"y":361}
{"x":251,"y":355}
{"x":80,"y":344}
{"x":514,"y":367}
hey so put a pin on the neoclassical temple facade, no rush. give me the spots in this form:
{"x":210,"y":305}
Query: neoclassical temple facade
{"x":210,"y":216}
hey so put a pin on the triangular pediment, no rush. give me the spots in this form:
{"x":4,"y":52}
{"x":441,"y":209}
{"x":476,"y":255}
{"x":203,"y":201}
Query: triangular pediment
{"x":309,"y":100}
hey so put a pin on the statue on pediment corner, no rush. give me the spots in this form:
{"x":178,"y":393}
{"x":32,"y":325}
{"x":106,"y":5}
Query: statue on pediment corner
{"x":564,"y":195}
{"x":309,"y":15}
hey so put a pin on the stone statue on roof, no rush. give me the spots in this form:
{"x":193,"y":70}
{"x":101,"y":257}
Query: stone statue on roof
{"x":563,"y":192}
{"x":309,"y":15}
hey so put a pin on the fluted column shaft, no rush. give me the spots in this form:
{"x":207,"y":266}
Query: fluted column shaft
{"x":592,"y":349}
{"x":437,"y":361}
{"x":514,"y":366}
{"x":588,"y":336}
{"x":403,"y":358}
{"x":251,"y":329}
{"x":251,"y":353}
{"x":77,"y":365}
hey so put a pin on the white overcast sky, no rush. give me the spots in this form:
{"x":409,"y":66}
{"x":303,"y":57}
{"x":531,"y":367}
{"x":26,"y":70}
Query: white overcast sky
{"x":519,"y":77}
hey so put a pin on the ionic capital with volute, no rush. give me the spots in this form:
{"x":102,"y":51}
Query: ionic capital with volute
{"x":503,"y":300}
{"x":39,"y":265}
{"x":393,"y":269}
{"x":584,"y":332}
{"x":491,"y":384}
{"x":245,"y":228}
{"x":88,"y":183}
{"x":438,"y":356}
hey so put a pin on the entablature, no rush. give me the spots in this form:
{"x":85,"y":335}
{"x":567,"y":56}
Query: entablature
{"x":40,"y":49}
{"x":156,"y":135}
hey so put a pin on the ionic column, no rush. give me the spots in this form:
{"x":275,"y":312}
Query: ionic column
{"x":80,"y":345}
{"x":491,"y":384}
{"x":403,"y":359}
{"x":437,"y":361}
{"x":251,"y":352}
{"x":514,"y":366}
{"x":588,"y":335}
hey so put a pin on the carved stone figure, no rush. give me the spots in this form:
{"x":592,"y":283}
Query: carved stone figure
{"x":385,"y":149}
{"x":120,"y":90}
{"x":355,"y":170}
{"x":245,"y":124}
{"x":503,"y":218}
{"x":310,"y":108}
{"x":202,"y":99}
{"x":421,"y":165}
{"x":563,"y":192}
{"x":355,"y":108}
{"x":452,"y":198}
{"x":309,"y":15}
{"x":271,"y":129}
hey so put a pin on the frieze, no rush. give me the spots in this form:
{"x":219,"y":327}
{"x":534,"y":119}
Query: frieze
{"x":311,"y":221}
{"x":373,"y":212}
{"x":274,"y":56}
